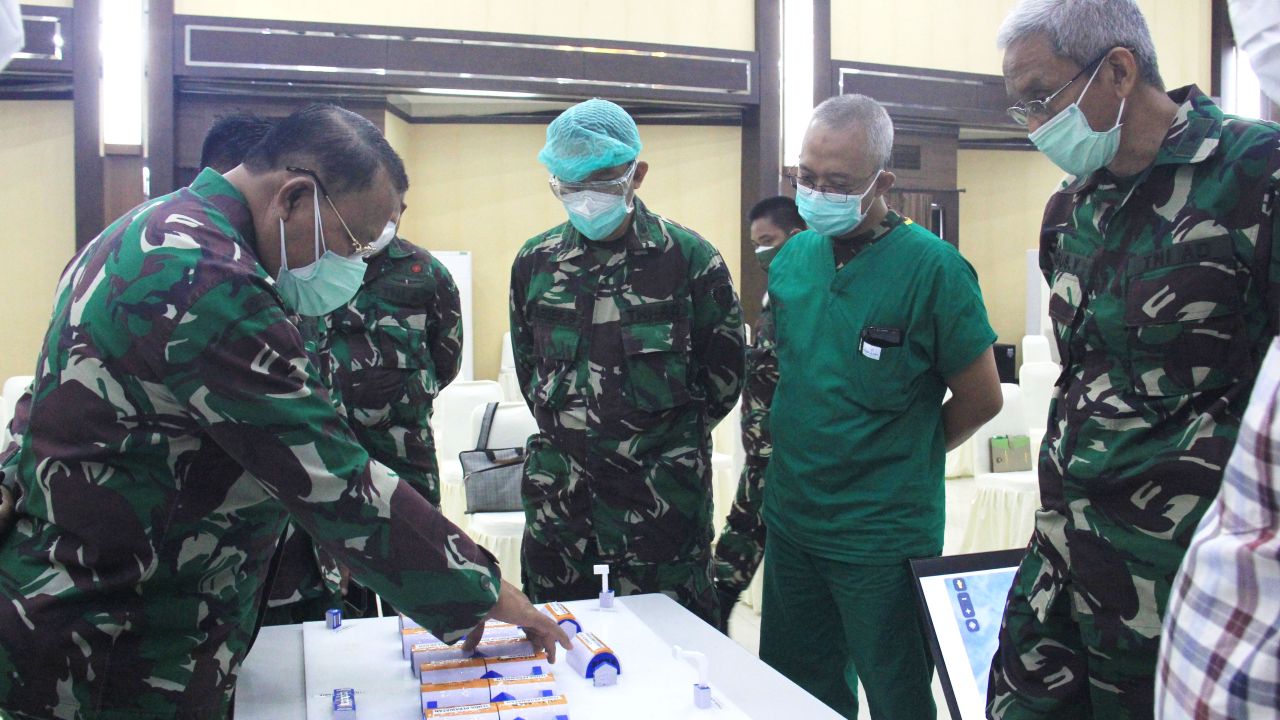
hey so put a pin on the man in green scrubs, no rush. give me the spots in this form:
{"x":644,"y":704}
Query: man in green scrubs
{"x":876,"y":318}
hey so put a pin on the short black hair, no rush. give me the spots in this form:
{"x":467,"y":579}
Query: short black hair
{"x":231,"y":138}
{"x":780,"y":211}
{"x":344,"y":148}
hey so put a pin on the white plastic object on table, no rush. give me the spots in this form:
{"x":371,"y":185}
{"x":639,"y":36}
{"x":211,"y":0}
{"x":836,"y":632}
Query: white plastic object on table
{"x":701,"y":689}
{"x":606,"y":595}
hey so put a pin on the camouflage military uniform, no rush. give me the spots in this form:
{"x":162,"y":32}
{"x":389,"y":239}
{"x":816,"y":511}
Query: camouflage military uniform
{"x":741,"y":544}
{"x":306,"y":581}
{"x":395,"y":345}
{"x":175,"y":424}
{"x":627,"y":352}
{"x":384,"y":357}
{"x":1162,"y":295}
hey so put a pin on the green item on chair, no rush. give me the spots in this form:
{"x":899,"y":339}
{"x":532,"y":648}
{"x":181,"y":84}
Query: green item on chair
{"x":1010,"y":453}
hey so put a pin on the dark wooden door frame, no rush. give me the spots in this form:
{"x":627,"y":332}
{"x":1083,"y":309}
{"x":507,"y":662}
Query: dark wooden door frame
{"x":86,"y":76}
{"x":161,"y":136}
{"x":761,"y":147}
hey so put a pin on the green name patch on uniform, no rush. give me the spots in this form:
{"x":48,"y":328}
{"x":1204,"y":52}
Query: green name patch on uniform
{"x":1204,"y":250}
{"x":1073,"y":263}
{"x":555,"y":315}
{"x":666,"y":311}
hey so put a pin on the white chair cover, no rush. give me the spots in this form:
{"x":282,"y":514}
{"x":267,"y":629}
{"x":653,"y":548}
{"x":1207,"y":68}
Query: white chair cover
{"x":1004,"y":504}
{"x":1035,"y":348}
{"x":1036,"y":380}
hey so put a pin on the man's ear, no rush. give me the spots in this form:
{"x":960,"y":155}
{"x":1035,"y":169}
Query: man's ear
{"x":1121,"y":70}
{"x":292,"y":194}
{"x":885,"y":182}
{"x":642,"y":169}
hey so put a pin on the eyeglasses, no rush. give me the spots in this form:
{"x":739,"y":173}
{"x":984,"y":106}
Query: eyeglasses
{"x":1039,"y":109}
{"x":833,"y":193}
{"x":357,"y":247}
{"x":617,"y":186}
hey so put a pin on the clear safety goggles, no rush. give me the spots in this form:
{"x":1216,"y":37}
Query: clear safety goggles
{"x":618,"y":186}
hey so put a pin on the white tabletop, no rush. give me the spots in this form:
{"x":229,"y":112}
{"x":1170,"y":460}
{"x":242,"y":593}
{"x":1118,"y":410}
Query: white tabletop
{"x":272,"y":682}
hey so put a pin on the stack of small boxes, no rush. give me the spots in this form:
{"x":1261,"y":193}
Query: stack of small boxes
{"x":504,"y":679}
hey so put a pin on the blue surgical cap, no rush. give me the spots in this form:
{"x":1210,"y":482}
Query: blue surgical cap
{"x":587,"y":137}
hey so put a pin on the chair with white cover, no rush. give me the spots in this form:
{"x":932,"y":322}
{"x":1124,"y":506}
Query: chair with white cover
{"x":1035,"y":348}
{"x":727,"y":460}
{"x":1004,"y":504}
{"x":451,"y":427}
{"x":507,"y":377}
{"x":1037,"y":380}
{"x":5,"y":417}
{"x":10,"y":394}
{"x":501,"y":532}
{"x":959,"y":462}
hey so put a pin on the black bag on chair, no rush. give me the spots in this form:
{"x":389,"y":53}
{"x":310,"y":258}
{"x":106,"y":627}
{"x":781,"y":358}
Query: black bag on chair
{"x":491,"y":476}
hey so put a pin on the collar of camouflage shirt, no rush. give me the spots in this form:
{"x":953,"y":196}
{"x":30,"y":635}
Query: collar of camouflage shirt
{"x":229,"y":201}
{"x":1192,"y":138}
{"x":399,"y":248}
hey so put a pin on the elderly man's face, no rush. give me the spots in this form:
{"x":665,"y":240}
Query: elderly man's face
{"x":355,"y":218}
{"x":836,"y":159}
{"x":1033,"y":72}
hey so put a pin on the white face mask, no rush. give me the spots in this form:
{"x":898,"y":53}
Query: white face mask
{"x":388,"y":234}
{"x":1257,"y":29}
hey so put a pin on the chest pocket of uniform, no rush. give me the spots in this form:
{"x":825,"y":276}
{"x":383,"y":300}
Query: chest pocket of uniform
{"x":396,"y":321}
{"x":881,"y":368}
{"x":1183,"y":319}
{"x":655,"y":338}
{"x":401,"y":346}
{"x":1066,"y":291}
{"x":555,"y":342}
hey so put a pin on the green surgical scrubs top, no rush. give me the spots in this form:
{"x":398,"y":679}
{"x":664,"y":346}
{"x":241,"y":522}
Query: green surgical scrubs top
{"x":857,"y":467}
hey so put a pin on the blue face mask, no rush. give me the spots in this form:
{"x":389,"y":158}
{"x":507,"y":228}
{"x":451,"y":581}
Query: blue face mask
{"x":1072,"y":144}
{"x":324,"y":285}
{"x":597,"y":214}
{"x":829,"y":217}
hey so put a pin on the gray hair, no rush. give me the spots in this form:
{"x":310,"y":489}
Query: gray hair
{"x":1081,"y":30}
{"x":845,"y":111}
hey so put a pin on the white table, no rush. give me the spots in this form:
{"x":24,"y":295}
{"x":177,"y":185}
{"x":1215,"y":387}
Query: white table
{"x":272,"y":680}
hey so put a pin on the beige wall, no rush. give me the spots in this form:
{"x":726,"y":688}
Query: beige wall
{"x":480,"y":188}
{"x":728,"y":24}
{"x":961,"y":35}
{"x":37,"y":201}
{"x":1000,"y":210}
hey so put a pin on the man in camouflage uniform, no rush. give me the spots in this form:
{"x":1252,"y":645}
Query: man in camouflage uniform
{"x":741,"y":544}
{"x":1158,"y":251}
{"x":176,"y":423}
{"x":389,"y":351}
{"x":629,"y":347}
{"x":306,"y":581}
{"x":395,"y":346}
